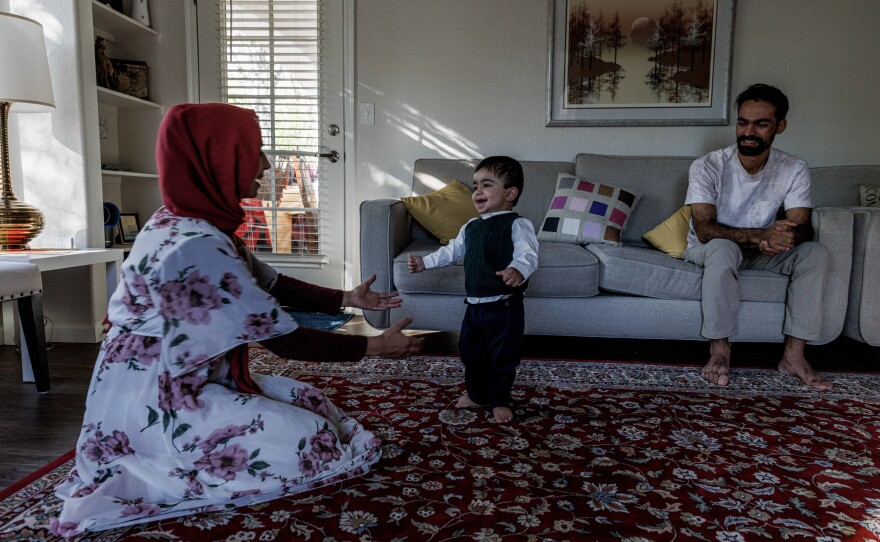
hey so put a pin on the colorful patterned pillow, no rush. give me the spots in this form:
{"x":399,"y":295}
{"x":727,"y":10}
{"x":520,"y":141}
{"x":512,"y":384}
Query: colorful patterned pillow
{"x":585,"y":211}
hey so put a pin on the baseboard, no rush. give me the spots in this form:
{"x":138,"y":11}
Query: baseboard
{"x":74,"y":333}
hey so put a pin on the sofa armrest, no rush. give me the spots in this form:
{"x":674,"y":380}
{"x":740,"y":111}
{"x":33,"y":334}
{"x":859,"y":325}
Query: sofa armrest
{"x":386,"y":229}
{"x":863,"y":311}
{"x":833,"y":228}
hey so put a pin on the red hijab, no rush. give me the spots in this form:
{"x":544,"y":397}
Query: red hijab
{"x":208,"y":156}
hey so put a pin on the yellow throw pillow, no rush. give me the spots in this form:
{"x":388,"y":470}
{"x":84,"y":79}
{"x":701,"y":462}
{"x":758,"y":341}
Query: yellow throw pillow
{"x":443,"y":212}
{"x":670,"y":236}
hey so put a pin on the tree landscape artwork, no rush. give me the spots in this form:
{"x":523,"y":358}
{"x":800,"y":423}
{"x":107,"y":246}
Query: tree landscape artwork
{"x":629,"y":62}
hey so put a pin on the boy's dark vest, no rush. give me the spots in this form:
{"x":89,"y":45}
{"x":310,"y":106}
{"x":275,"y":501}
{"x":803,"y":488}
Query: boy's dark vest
{"x":489,"y":248}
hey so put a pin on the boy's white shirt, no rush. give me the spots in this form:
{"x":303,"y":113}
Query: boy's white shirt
{"x":525,"y":251}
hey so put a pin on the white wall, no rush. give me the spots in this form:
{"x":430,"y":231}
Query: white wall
{"x":467,"y":78}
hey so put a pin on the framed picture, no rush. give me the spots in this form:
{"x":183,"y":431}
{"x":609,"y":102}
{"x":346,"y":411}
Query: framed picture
{"x":130,"y":77}
{"x":639,"y":62}
{"x":129,"y":226}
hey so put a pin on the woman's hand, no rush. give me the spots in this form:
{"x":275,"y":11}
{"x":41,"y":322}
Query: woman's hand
{"x":393,"y":343}
{"x":364,"y":298}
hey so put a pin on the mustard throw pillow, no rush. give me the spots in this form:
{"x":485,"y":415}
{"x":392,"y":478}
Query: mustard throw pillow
{"x":670,"y":236}
{"x":443,"y":212}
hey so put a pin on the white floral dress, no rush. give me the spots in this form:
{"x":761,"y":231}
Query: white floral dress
{"x":165,"y":431}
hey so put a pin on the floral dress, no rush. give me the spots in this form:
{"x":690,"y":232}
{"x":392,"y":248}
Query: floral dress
{"x":165,"y":432}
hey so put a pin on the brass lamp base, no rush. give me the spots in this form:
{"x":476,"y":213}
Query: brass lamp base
{"x":19,"y":224}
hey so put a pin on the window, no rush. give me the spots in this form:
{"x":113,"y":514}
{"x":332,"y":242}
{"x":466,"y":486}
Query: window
{"x":270,"y":62}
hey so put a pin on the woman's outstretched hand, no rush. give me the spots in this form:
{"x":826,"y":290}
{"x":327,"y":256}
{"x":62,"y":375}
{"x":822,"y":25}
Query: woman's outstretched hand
{"x":363,"y":297}
{"x":393,"y":343}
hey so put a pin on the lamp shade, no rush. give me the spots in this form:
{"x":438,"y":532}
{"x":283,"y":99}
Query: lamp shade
{"x":24,"y":65}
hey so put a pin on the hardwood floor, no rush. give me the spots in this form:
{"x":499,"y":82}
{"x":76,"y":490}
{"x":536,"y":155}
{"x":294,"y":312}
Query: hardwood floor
{"x":35,"y":429}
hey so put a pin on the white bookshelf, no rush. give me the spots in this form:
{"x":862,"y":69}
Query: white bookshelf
{"x":127,"y":125}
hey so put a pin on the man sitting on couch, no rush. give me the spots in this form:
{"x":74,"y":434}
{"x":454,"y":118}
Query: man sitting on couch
{"x":734,"y":195}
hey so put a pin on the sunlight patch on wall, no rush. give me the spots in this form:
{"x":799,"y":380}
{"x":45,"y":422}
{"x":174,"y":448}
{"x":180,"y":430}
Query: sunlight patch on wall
{"x":51,"y":180}
{"x":430,"y":133}
{"x":381,"y":178}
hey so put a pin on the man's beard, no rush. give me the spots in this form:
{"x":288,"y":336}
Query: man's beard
{"x":752,"y":151}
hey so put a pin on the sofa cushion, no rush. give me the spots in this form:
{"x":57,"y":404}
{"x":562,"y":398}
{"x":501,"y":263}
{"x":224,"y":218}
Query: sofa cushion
{"x":670,"y":236}
{"x":443,"y":212}
{"x":563,"y":271}
{"x":650,"y":273}
{"x":584,"y":211}
{"x":661,"y":180}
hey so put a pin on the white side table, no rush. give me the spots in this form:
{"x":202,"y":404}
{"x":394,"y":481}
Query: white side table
{"x":52,"y":261}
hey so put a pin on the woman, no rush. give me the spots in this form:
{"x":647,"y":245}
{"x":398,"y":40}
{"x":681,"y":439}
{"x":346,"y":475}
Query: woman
{"x":175,"y":424}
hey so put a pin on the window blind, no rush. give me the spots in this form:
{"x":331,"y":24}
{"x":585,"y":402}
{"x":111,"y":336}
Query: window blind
{"x":270,"y":63}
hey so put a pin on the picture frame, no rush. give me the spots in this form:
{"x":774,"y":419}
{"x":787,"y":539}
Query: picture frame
{"x":129,"y":226}
{"x":672,"y":66}
{"x":115,"y":4}
{"x":131,"y":77}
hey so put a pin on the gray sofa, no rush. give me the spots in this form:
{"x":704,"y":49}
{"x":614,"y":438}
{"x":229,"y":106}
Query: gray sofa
{"x":600,"y":290}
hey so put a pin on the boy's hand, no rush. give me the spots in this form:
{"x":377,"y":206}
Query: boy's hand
{"x":415,"y":264}
{"x":511,"y":276}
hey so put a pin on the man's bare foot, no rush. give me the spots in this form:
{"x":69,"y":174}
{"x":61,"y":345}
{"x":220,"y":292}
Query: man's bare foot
{"x":717,"y":368}
{"x":502,"y":414}
{"x":465,"y":402}
{"x":793,"y":363}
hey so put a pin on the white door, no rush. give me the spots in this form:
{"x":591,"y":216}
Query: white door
{"x":285,"y":59}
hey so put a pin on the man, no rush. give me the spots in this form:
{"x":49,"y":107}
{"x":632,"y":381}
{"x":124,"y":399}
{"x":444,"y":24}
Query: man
{"x":734,"y":195}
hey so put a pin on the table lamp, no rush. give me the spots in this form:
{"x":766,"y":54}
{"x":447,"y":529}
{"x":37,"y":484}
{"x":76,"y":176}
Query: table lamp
{"x":25,"y":87}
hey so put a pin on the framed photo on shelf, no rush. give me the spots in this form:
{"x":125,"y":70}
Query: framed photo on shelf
{"x":639,"y":62}
{"x":115,"y":4}
{"x":130,"y":77}
{"x":129,"y":226}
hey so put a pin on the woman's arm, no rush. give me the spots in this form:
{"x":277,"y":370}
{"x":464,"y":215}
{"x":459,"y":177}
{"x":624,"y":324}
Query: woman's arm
{"x":313,"y":345}
{"x":308,"y":344}
{"x":304,"y":296}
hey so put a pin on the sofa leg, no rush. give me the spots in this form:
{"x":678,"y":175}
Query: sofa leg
{"x":30,"y":311}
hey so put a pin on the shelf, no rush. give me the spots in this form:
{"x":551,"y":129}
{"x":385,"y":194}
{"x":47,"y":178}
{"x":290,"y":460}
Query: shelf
{"x":124,"y":101}
{"x":112,"y":22}
{"x":128,"y":174}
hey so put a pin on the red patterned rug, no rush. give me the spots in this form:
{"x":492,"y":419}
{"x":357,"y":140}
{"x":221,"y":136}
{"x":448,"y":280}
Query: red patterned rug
{"x":597,"y":451}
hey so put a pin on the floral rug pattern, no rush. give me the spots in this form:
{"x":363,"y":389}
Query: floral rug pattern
{"x":597,"y":451}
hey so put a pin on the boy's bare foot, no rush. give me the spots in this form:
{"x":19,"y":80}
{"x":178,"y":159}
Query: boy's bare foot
{"x":502,"y":414}
{"x":717,"y":368}
{"x":793,"y":363}
{"x":465,"y":402}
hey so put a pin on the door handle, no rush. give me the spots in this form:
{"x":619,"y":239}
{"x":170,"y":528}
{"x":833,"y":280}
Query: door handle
{"x":333,"y":156}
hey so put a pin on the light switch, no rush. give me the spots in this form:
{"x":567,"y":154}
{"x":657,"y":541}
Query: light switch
{"x":368,"y":113}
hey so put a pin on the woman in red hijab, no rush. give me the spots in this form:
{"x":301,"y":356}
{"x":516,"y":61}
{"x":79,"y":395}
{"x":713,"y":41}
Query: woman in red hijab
{"x":175,"y":423}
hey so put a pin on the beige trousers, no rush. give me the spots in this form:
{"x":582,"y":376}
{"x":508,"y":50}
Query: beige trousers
{"x":807,"y":265}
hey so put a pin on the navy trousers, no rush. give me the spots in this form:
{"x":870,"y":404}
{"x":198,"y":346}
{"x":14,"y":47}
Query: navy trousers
{"x":490,"y":346}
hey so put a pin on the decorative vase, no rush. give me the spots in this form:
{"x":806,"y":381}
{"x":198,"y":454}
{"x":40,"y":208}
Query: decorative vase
{"x":140,"y":12}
